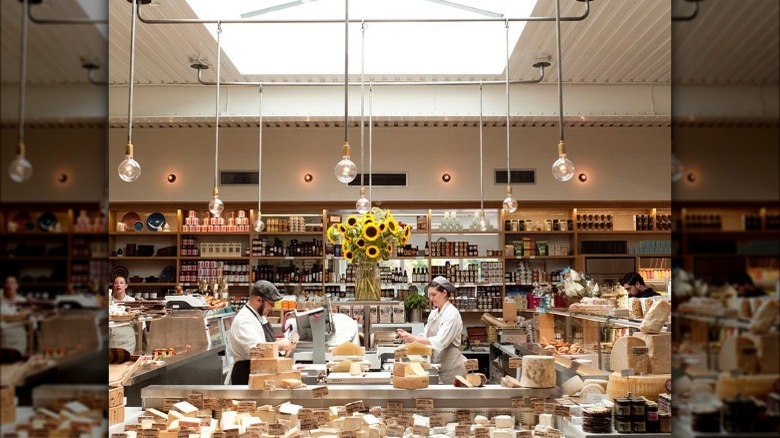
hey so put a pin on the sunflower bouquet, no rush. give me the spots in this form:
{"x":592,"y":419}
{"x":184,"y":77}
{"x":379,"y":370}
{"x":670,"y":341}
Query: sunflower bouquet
{"x":370,"y":237}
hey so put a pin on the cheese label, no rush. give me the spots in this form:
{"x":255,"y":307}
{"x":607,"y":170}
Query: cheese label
{"x":353,"y":407}
{"x":347,"y":434}
{"x":185,"y":432}
{"x":309,"y":423}
{"x":463,"y":417}
{"x":627,"y":372}
{"x":231,"y":433}
{"x":595,"y":397}
{"x":472,"y":365}
{"x":462,"y":430}
{"x":640,"y":351}
{"x":260,"y":429}
{"x":168,"y":403}
{"x":481,"y":432}
{"x":319,"y":392}
{"x":211,"y":403}
{"x":423,"y":431}
{"x":424,"y":404}
{"x":113,"y":435}
{"x":321,"y":416}
{"x":196,"y":400}
{"x":437,"y":420}
{"x":395,"y":406}
{"x":517,"y":402}
{"x":247,"y":407}
{"x":269,"y":385}
{"x":276,"y":429}
{"x":549,"y":408}
{"x":148,"y":433}
{"x":305,"y":413}
{"x":538,"y":405}
{"x":129,"y":427}
{"x":395,"y":431}
{"x":217,"y":434}
{"x":515,"y":362}
{"x":404,"y":420}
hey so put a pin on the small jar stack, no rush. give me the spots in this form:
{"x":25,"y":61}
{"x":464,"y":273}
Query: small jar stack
{"x":597,"y":420}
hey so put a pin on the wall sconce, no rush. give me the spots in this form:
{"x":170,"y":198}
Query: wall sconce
{"x":446,"y":177}
{"x":62,"y":178}
{"x":582,"y":177}
{"x":171,"y":178}
{"x":308,"y":178}
{"x":691,"y":177}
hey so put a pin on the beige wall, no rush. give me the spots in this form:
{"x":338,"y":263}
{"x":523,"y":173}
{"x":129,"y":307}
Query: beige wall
{"x":621,"y":163}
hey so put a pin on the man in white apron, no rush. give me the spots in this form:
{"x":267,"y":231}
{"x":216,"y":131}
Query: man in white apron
{"x":123,"y":336}
{"x":442,"y":332}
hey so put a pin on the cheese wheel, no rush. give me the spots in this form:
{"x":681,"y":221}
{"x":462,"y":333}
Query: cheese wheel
{"x":764,"y":317}
{"x":538,"y":372}
{"x":622,"y":356}
{"x":639,"y":386}
{"x":758,"y":385}
{"x":660,"y":351}
{"x":572,"y":385}
{"x":656,"y":317}
{"x":733,"y":355}
{"x":462,"y":382}
{"x":603,"y":383}
{"x":591,"y":388}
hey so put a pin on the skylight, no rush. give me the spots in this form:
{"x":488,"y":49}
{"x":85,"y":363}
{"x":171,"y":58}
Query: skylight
{"x":437,"y":49}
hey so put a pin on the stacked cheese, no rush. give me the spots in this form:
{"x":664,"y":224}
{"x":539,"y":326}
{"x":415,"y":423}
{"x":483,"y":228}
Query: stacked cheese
{"x":73,"y":419}
{"x":409,"y":375}
{"x":350,"y":359}
{"x":266,"y":367}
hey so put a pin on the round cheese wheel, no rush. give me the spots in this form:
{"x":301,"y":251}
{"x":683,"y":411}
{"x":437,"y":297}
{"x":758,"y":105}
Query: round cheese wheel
{"x":639,"y":386}
{"x":591,"y":388}
{"x":538,"y":372}
{"x":603,"y":383}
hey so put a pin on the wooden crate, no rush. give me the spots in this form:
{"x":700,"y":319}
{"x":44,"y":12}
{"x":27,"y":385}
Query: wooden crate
{"x":116,"y":395}
{"x":116,"y":415}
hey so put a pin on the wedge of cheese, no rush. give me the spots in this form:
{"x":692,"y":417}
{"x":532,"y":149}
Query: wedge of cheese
{"x":538,"y":372}
{"x":341,"y":366}
{"x":416,"y":348}
{"x":768,"y":345}
{"x":271,"y":365}
{"x":656,"y":316}
{"x":290,"y":383}
{"x":462,"y":382}
{"x":622,"y":357}
{"x":410,"y":382}
{"x":572,"y":385}
{"x":355,"y":369}
{"x":660,"y":350}
{"x":348,"y":349}
{"x":738,"y":353}
{"x":264,"y":350}
{"x":765,"y":316}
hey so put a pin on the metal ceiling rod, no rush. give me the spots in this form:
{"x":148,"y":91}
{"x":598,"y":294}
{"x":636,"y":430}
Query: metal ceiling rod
{"x":361,"y":20}
{"x":540,"y":65}
{"x":63,"y":20}
{"x":690,"y":16}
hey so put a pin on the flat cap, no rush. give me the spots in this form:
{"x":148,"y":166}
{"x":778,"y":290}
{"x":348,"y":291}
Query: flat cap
{"x":266,"y":290}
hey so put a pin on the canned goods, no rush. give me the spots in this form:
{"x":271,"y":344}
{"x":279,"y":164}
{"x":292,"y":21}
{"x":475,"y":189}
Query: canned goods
{"x":623,"y":423}
{"x":622,"y":407}
{"x":638,"y":407}
{"x":665,"y":422}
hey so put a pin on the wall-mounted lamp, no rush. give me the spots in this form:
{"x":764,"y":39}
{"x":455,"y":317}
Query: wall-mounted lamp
{"x":171,"y":178}
{"x":446,"y":177}
{"x":308,"y":177}
{"x":582,"y":177}
{"x":62,"y":178}
{"x":691,"y":177}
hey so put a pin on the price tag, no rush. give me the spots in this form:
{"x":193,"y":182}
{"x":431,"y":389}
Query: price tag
{"x":231,"y":433}
{"x":322,"y":417}
{"x":462,"y":430}
{"x":113,"y":435}
{"x":424,"y":404}
{"x":211,"y":403}
{"x":481,"y":432}
{"x":168,"y":403}
{"x":549,"y":408}
{"x":205,"y":420}
{"x":247,"y":407}
{"x":148,"y":433}
{"x":185,"y":432}
{"x":129,"y":427}
{"x":261,"y":428}
{"x":404,"y":421}
{"x":395,"y":406}
{"x":353,"y":407}
{"x":305,"y":413}
{"x":595,"y":397}
{"x":423,"y":431}
{"x":226,"y":403}
{"x":538,"y":406}
{"x":395,"y":431}
{"x":196,"y":400}
{"x":515,"y":362}
{"x":319,"y":392}
{"x":347,"y":434}
{"x":217,"y":434}
{"x":250,"y":434}
{"x":517,"y":403}
{"x":270,"y":385}
{"x":437,"y":420}
{"x":276,"y":429}
{"x":496,"y":412}
{"x":472,"y":365}
{"x":309,"y":423}
{"x":627,"y":372}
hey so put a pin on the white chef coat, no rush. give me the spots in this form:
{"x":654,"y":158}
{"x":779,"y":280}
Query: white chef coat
{"x":443,"y":331}
{"x":123,"y":337}
{"x":245,"y":332}
{"x":13,"y":334}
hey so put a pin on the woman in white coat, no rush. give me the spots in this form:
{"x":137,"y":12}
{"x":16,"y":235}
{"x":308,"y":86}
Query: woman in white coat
{"x":123,"y":336}
{"x":442,"y":332}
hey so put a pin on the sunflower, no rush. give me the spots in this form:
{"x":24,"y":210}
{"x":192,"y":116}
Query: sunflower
{"x":382,"y":226}
{"x":342,"y":228}
{"x":349,"y":256}
{"x":368,"y":218}
{"x":352,"y":220}
{"x":361,"y":242}
{"x":333,"y":234}
{"x":407,"y":232}
{"x":389,"y":248}
{"x":371,"y":232}
{"x":392,"y":225}
{"x":372,"y":251}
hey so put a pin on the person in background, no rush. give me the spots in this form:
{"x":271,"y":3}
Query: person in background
{"x":442,"y":332}
{"x":250,"y":327}
{"x":743,"y":284}
{"x":14,"y":333}
{"x":123,"y":337}
{"x":636,"y":287}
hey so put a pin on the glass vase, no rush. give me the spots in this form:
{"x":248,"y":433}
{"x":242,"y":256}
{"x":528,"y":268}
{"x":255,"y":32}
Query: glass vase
{"x":367,"y":286}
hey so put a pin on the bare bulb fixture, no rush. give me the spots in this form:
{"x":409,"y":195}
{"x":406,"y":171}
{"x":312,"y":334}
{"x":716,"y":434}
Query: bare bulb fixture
{"x":562,"y":168}
{"x":129,"y":170}
{"x":259,"y":225}
{"x":308,"y":178}
{"x":20,"y":170}
{"x":171,"y":178}
{"x":346,"y":171}
{"x":510,"y":204}
{"x":446,"y":177}
{"x":363,"y":205}
{"x":216,"y":206}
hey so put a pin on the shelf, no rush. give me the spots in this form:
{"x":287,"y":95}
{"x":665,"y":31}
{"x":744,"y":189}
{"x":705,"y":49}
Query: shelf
{"x":317,"y":284}
{"x":465,"y":257}
{"x":34,"y":258}
{"x":739,"y":232}
{"x":479,"y":310}
{"x":536,"y":233}
{"x":212,"y":233}
{"x":631,"y":232}
{"x":35,"y":233}
{"x":539,"y":257}
{"x":242,"y":258}
{"x":82,"y":258}
{"x":599,"y":318}
{"x":720,"y":321}
{"x":137,"y":258}
{"x":408,"y":258}
{"x":145,"y":284}
{"x":143,"y":233}
{"x":90,"y":233}
{"x":285,"y":233}
{"x":465,"y":233}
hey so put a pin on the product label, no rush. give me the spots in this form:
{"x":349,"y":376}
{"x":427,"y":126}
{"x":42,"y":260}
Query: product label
{"x":196,"y":400}
{"x":515,"y":362}
{"x":355,"y":406}
{"x":321,"y":416}
{"x":472,"y":365}
{"x":319,"y":392}
{"x":424,"y":404}
{"x":309,"y":423}
{"x":348,"y":434}
{"x":517,"y":403}
{"x":463,"y":417}
{"x":481,"y":432}
{"x":462,"y":430}
{"x":437,"y":420}
{"x":247,"y":407}
{"x":395,"y":431}
{"x":423,"y":431}
{"x":168,"y":403}
{"x":211,"y":403}
{"x":276,"y":429}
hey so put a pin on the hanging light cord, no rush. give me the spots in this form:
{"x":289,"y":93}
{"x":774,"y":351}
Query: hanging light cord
{"x":216,"y":131}
{"x":370,"y":141}
{"x":23,"y":73}
{"x":259,"y":150}
{"x":132,"y":75}
{"x":508,"y":170}
{"x":560,"y":73}
{"x":346,"y":71}
{"x":362,"y":104}
{"x":481,"y":190}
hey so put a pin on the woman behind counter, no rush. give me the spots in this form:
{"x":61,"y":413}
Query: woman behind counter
{"x":442,"y":332}
{"x":123,"y":336}
{"x":14,"y":334}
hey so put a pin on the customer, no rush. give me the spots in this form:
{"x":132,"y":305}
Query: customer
{"x":442,"y":332}
{"x":124,"y":336}
{"x":635,"y":285}
{"x":250,"y":327}
{"x":14,"y":333}
{"x":743,"y":284}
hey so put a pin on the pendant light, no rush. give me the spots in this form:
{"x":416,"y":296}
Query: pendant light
{"x":363,"y":205}
{"x":129,"y":170}
{"x":562,"y":168}
{"x":510,"y":204}
{"x":20,"y":169}
{"x":346,"y":169}
{"x":216,"y":206}
{"x":482,"y":224}
{"x":259,"y":225}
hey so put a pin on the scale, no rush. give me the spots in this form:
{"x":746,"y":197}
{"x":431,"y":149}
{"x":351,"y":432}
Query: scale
{"x":184,"y":302}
